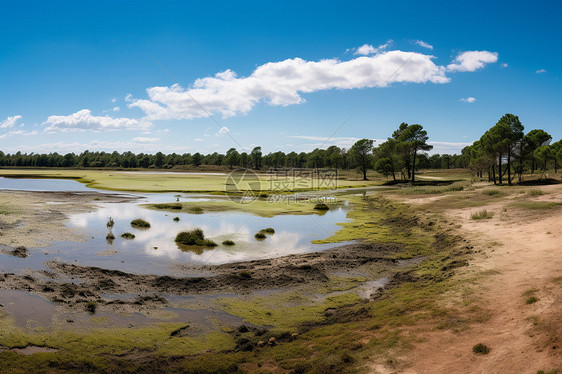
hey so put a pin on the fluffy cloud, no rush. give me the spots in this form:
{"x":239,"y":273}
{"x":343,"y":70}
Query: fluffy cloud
{"x":282,"y":83}
{"x":540,"y":71}
{"x":367,"y":49}
{"x":84,"y":120}
{"x":10,"y":122}
{"x":223,"y":130}
{"x":423,"y":44}
{"x":469,"y":99}
{"x":472,"y":60}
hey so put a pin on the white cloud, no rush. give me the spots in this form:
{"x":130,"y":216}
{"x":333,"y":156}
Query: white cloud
{"x":472,"y":60}
{"x":504,"y":65}
{"x":197,"y":140}
{"x":283,"y":83}
{"x":140,"y":139}
{"x":10,"y":122}
{"x":469,"y":99}
{"x":423,"y":44}
{"x":116,"y":109}
{"x":367,"y":49}
{"x":18,"y":132}
{"x":84,"y":120}
{"x":540,"y":71}
{"x":114,"y":100}
{"x":223,"y":130}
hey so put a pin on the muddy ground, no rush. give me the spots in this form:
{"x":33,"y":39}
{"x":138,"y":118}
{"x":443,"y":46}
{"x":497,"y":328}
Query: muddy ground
{"x":73,"y":286}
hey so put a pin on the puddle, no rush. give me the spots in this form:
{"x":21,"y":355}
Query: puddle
{"x":27,"y":309}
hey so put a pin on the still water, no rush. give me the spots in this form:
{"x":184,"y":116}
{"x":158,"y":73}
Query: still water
{"x":153,"y":251}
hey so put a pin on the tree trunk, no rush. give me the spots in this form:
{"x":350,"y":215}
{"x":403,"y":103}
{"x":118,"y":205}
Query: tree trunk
{"x":500,"y":181}
{"x":509,"y":166}
{"x":414,"y":168}
{"x":494,"y":172}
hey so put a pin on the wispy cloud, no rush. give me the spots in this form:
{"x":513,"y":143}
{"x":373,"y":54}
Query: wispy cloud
{"x":141,"y":139}
{"x":222,"y":131}
{"x":10,"y":122}
{"x":504,"y":65}
{"x":540,"y":71}
{"x":469,"y":99}
{"x":423,"y":44}
{"x":367,"y":49}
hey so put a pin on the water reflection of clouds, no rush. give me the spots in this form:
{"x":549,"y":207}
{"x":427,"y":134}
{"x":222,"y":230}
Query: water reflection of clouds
{"x":293,"y":233}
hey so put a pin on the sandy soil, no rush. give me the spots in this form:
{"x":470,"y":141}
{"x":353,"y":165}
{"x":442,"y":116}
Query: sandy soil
{"x":36,"y":219}
{"x":521,"y":255}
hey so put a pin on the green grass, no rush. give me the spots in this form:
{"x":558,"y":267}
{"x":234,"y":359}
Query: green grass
{"x":482,"y":214}
{"x":147,"y":181}
{"x":140,"y":223}
{"x":228,"y":243}
{"x":268,"y":230}
{"x":535,"y":205}
{"x":493,"y":192}
{"x":194,"y":237}
{"x":535,"y":192}
{"x":128,"y":236}
{"x":260,"y":236}
{"x":262,"y":208}
{"x":481,"y":349}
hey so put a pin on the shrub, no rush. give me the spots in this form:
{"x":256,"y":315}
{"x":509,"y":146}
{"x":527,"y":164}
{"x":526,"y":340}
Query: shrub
{"x":260,"y":236}
{"x":91,"y":307}
{"x":110,"y":222}
{"x":321,"y":206}
{"x":532,"y":299}
{"x":228,"y":242}
{"x":194,"y":237}
{"x":140,"y":223}
{"x":481,"y":349}
{"x":269,"y":230}
{"x":483,"y":214}
{"x":128,"y":235}
{"x":176,"y":206}
{"x":110,"y":236}
{"x":176,"y":219}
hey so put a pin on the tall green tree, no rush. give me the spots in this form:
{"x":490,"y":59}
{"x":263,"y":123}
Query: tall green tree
{"x":361,"y":152}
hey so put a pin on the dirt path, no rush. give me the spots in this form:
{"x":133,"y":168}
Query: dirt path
{"x":522,"y":255}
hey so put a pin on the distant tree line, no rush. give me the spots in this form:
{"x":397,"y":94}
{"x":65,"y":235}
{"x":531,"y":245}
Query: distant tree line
{"x":503,"y":152}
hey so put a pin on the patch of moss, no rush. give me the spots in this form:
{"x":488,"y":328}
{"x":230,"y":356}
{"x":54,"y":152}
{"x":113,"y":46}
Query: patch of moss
{"x":194,"y":237}
{"x":128,"y":236}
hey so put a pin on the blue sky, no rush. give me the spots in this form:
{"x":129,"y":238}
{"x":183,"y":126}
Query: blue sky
{"x":283,"y":75}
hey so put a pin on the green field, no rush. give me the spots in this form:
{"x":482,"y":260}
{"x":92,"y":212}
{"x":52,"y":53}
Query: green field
{"x":147,"y":181}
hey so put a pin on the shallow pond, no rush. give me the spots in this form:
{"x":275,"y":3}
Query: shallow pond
{"x":154,"y":251}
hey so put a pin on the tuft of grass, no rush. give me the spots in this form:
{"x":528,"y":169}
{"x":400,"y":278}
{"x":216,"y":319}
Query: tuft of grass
{"x":195,"y":210}
{"x":492,"y":192}
{"x":91,"y":307}
{"x":269,"y":230}
{"x":481,"y":349}
{"x":176,"y":206}
{"x":110,"y":222}
{"x":128,"y":236}
{"x":176,"y":219}
{"x":321,"y":206}
{"x":260,"y":236}
{"x":228,"y":242}
{"x":531,"y":300}
{"x":535,"y":192}
{"x":110,"y":236}
{"x":553,"y":371}
{"x":483,"y":214}
{"x":140,"y":223}
{"x":194,"y":237}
